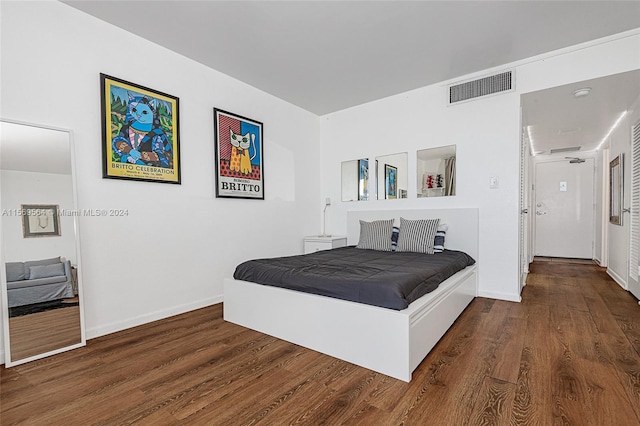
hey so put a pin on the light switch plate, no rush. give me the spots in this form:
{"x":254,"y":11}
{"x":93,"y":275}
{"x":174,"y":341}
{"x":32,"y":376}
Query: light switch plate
{"x":563,"y":186}
{"x":494,"y":182}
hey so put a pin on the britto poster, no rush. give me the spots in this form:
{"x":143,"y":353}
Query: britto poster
{"x":140,"y":133}
{"x":239,"y":156}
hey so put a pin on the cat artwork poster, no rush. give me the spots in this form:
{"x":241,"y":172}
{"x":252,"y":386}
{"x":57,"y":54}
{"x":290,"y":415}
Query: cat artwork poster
{"x":239,"y":156}
{"x":140,"y":137}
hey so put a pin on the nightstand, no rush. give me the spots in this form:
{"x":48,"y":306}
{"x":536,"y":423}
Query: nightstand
{"x":316,"y":243}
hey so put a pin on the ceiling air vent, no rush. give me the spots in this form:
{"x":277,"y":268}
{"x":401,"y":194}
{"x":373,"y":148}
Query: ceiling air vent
{"x":557,"y":150}
{"x":502,"y":82}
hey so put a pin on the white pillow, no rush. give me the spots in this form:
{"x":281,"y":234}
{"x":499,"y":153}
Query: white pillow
{"x":438,"y":242}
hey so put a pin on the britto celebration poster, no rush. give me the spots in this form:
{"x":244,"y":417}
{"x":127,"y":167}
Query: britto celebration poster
{"x":140,"y":133}
{"x":239,"y":156}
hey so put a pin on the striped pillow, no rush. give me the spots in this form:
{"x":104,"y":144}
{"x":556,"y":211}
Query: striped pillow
{"x":375,"y":235}
{"x":417,"y":235}
{"x":438,"y":242}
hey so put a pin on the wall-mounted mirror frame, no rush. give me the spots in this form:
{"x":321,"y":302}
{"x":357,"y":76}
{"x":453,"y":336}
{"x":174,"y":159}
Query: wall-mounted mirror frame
{"x":46,"y":329}
{"x":355,"y":180}
{"x":616,"y":189}
{"x":436,"y":171}
{"x":391,"y":176}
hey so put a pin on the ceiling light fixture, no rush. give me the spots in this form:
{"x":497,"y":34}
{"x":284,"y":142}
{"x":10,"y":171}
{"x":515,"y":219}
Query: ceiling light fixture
{"x":581,"y":93}
{"x":611,"y":130}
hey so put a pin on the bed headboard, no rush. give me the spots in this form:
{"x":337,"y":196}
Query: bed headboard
{"x":463,"y":225}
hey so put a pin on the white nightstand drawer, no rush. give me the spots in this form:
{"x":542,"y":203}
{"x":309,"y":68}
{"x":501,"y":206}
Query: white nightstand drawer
{"x":316,"y":243}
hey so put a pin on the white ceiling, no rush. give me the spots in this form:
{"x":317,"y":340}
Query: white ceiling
{"x":325,"y":56}
{"x":34,"y":149}
{"x":556,"y":119}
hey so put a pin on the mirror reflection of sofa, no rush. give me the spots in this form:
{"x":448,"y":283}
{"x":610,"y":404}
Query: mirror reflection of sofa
{"x":38,"y":281}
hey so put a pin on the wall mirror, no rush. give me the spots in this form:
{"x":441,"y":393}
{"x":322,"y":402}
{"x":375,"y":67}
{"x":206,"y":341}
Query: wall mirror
{"x":436,"y":172}
{"x":355,"y":180}
{"x":391,"y":176}
{"x":616,"y":170}
{"x":42,"y":311}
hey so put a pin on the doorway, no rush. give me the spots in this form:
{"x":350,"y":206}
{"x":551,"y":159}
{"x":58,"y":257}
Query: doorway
{"x":577,"y":119}
{"x":565,"y":208}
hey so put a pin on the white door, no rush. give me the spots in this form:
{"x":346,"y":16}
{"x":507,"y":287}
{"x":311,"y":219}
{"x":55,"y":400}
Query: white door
{"x":564,"y":209}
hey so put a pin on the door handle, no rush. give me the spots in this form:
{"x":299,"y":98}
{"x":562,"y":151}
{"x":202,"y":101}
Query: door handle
{"x":628,"y":210}
{"x":524,"y":211}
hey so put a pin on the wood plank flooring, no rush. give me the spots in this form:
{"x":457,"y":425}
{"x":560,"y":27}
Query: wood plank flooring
{"x":42,"y":332}
{"x":568,"y":354}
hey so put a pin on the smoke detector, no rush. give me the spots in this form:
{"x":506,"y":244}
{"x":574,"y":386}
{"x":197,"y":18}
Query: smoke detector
{"x":581,"y":93}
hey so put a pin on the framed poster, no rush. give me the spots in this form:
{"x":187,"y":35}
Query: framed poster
{"x":40,"y":220}
{"x":140,"y":136}
{"x":391,"y":181}
{"x":239,"y":156}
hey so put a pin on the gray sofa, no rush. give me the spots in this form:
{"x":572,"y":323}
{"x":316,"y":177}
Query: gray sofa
{"x":38,"y":281}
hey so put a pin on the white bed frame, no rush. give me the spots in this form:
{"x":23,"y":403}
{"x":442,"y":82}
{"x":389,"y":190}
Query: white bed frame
{"x":384,"y":340}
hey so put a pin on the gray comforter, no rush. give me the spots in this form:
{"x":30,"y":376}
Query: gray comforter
{"x":388,"y":279}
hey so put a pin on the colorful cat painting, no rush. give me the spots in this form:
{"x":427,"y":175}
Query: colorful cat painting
{"x":239,"y":156}
{"x":240,"y":160}
{"x":141,"y":139}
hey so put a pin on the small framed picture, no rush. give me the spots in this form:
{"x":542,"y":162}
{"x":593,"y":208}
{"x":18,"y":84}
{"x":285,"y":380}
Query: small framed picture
{"x":140,"y":136}
{"x":40,"y":220}
{"x":391,"y":181}
{"x":239,"y":156}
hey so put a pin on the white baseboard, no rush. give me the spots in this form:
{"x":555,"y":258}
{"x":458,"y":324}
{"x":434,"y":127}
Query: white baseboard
{"x":617,"y":278}
{"x":500,"y":296}
{"x":150,"y":317}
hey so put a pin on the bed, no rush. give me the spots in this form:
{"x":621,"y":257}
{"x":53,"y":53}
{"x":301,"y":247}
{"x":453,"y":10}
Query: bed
{"x":389,"y":341}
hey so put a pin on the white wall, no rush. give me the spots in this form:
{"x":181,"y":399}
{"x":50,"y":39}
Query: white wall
{"x":486,"y":133}
{"x":36,"y":188}
{"x":620,"y":143}
{"x":178,"y":242}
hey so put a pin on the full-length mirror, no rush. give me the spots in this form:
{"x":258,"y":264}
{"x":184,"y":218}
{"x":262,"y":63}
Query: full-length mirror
{"x":436,"y":171}
{"x":355,"y":180}
{"x":41,"y":291}
{"x":391,"y":176}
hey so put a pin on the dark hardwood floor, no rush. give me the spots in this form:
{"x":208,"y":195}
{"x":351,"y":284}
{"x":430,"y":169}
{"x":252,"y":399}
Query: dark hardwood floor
{"x":568,"y":354}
